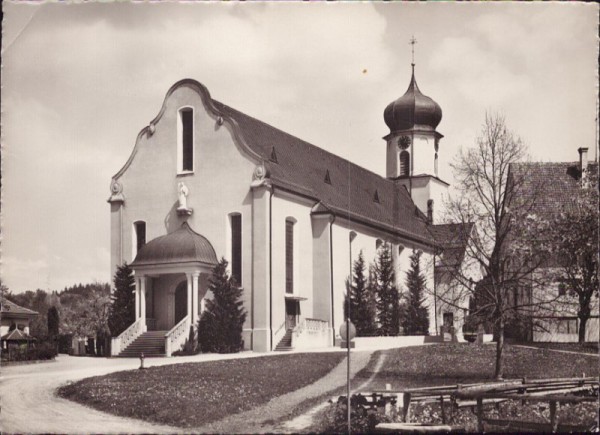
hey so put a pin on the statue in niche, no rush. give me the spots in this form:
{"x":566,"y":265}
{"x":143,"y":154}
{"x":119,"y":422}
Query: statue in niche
{"x":183,"y":193}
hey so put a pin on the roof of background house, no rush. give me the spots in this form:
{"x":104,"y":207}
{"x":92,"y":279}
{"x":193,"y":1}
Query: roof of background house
{"x":17,"y":335}
{"x":453,"y":238}
{"x":351,"y":191}
{"x":551,"y":186}
{"x":9,"y":307}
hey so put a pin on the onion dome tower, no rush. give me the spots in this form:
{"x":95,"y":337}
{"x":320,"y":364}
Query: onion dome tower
{"x":413,"y":110}
{"x":413,"y":144}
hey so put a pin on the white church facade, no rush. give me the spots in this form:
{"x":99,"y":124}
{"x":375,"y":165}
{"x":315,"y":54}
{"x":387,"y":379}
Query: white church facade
{"x":205,"y":181}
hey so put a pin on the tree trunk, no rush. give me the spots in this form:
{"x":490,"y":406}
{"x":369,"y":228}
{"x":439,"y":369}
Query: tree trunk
{"x":582,"y":325}
{"x":499,"y":349}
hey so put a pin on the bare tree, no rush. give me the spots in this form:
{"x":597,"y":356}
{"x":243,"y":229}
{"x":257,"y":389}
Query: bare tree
{"x":503,"y":245}
{"x":573,"y":236}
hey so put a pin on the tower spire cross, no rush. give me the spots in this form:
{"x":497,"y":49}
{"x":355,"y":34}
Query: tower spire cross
{"x":412,"y":42}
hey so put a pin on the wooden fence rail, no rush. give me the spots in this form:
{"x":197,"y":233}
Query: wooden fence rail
{"x":552,"y":391}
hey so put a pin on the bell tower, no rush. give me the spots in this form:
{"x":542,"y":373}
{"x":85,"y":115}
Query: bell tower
{"x":413,"y":145}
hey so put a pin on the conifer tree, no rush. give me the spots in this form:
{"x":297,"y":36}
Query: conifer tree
{"x":362,"y":301}
{"x":416,"y":316}
{"x":122,"y":310}
{"x":221,"y":323}
{"x":388,"y":300}
{"x":53,"y":321}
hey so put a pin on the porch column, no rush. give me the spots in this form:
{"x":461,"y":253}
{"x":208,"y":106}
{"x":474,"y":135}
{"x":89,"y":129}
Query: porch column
{"x":189,"y":295}
{"x":143,"y":302}
{"x":195,"y":276}
{"x":137,"y":298}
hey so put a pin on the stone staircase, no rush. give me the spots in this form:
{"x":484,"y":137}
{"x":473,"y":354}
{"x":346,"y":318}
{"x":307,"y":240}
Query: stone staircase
{"x":285,"y":344}
{"x":151,"y":343}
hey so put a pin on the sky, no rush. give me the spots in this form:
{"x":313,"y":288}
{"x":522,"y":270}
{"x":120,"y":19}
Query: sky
{"x":79,"y":81}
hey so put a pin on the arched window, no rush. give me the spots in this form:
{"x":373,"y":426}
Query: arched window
{"x":235,"y":228}
{"x":139,"y":236}
{"x":404,"y":163}
{"x":290,"y":247}
{"x":185,"y":140}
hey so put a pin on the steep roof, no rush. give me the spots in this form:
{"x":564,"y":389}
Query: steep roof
{"x":453,"y":239}
{"x":343,"y":187}
{"x":552,"y":187}
{"x":549,"y":188}
{"x":9,"y":307}
{"x":17,"y":335}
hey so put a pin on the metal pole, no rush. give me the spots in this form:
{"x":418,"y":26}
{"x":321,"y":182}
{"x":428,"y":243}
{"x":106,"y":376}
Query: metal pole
{"x":348,"y":337}
{"x":348,"y":371}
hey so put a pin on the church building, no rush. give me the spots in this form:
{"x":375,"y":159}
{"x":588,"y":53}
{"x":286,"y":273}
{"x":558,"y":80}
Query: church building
{"x":206,"y":181}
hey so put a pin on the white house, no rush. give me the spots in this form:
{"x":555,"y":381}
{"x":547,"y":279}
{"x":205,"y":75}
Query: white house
{"x":206,"y":181}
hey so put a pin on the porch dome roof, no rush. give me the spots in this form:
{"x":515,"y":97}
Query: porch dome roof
{"x":183,"y":245}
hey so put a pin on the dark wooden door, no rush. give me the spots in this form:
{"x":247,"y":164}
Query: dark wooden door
{"x":180,"y":302}
{"x":291,"y":314}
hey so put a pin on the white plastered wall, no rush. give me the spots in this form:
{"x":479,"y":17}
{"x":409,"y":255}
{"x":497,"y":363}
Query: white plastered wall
{"x":286,"y":206}
{"x":219,"y":185}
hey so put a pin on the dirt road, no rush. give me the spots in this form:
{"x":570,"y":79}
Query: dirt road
{"x":30,"y":406}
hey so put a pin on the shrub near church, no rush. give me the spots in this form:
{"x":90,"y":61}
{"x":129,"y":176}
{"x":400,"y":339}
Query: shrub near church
{"x":220,"y":326}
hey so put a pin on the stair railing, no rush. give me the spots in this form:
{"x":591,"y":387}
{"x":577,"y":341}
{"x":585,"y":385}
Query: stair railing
{"x":175,"y":338}
{"x":297,"y":331}
{"x":278,"y":334}
{"x":309,"y":330}
{"x":120,"y":343}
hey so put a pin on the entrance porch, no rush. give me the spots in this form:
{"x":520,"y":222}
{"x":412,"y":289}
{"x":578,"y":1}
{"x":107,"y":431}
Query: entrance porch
{"x":171,"y":282}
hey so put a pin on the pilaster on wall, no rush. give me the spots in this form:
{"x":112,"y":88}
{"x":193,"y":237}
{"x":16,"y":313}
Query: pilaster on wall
{"x":116,"y":236}
{"x":322,"y":270}
{"x":261,"y":273}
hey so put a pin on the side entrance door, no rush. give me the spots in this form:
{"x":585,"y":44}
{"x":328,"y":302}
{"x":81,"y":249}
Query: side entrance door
{"x":180,"y":302}
{"x":292,"y":311}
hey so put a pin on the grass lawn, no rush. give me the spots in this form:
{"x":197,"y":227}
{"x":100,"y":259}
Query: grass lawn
{"x":193,"y":394}
{"x":448,"y":364}
{"x":451,"y":363}
{"x":572,"y":347}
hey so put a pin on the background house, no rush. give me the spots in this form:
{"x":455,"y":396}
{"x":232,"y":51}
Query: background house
{"x":14,"y":323}
{"x":548,"y":189}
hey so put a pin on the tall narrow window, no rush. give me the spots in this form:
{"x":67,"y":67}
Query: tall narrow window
{"x":236,"y":248}
{"x":430,"y":210}
{"x":139,"y":236}
{"x":289,"y":256}
{"x":404,"y":163}
{"x":186,"y":139}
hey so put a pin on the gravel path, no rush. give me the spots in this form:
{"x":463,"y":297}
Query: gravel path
{"x":30,"y":406}
{"x":305,"y":421}
{"x":260,"y":419}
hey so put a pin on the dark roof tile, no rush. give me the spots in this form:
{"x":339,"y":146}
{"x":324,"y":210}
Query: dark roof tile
{"x":300,"y":168}
{"x":549,"y":188}
{"x":12,"y":308}
{"x":181,"y":246}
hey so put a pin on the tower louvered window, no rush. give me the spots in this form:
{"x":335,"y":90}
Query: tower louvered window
{"x":404,"y":163}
